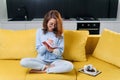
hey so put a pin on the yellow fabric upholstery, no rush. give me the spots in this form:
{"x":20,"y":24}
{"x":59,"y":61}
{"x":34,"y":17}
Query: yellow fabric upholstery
{"x":11,"y":70}
{"x":91,"y":43}
{"x":64,"y":76}
{"x":17,"y":44}
{"x":109,"y":72}
{"x":75,"y":46}
{"x":108,"y":47}
{"x":75,"y":42}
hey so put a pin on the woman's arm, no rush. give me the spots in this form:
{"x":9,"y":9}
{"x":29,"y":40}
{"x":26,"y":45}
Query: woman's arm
{"x":59,"y":50}
{"x":39,"y":47}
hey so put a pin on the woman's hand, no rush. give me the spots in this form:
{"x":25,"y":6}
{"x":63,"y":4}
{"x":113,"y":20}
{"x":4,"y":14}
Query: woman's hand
{"x":49,"y":49}
{"x":50,"y":41}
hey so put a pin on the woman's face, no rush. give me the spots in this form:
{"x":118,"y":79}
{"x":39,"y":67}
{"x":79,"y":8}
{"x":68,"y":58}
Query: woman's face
{"x":51,"y":24}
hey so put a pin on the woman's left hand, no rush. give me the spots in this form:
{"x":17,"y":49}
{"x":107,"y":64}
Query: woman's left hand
{"x":49,"y":49}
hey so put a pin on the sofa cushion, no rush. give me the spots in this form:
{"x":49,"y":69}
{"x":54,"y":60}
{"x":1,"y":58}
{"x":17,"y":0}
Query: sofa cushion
{"x":108,"y":71}
{"x":17,"y":44}
{"x":108,"y":47}
{"x":75,"y":42}
{"x":11,"y":70}
{"x":64,"y":76}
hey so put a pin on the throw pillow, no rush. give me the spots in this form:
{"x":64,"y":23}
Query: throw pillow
{"x":75,"y":41}
{"x":17,"y":44}
{"x":108,"y":47}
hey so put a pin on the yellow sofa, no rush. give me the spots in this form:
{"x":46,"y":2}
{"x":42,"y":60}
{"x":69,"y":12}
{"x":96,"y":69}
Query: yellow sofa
{"x":15,"y":45}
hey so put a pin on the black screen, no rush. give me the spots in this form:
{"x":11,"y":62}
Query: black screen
{"x":67,"y":8}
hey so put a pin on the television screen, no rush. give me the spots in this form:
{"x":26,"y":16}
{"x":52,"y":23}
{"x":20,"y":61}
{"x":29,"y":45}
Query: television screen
{"x":22,"y":9}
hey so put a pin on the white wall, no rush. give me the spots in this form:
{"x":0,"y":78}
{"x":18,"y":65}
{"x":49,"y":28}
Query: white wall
{"x":3,"y":9}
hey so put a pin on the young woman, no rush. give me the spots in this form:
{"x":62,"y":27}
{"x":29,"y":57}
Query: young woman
{"x":50,"y":46}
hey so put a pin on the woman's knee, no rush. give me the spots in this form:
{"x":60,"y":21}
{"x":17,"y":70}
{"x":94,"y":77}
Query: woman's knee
{"x":23,"y":62}
{"x":69,"y":66}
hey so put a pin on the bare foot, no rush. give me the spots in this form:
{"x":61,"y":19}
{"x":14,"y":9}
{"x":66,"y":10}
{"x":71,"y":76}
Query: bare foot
{"x":41,"y":71}
{"x":50,"y":66}
{"x":36,"y":71}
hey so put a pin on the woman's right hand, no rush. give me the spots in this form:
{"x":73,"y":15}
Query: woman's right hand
{"x":50,"y":49}
{"x":50,"y":41}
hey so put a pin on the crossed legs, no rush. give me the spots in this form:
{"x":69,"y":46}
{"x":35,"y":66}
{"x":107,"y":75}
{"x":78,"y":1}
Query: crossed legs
{"x":38,"y":66}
